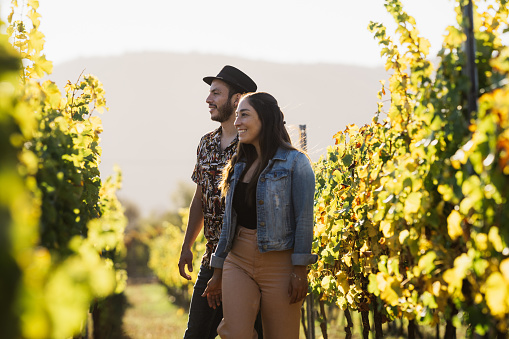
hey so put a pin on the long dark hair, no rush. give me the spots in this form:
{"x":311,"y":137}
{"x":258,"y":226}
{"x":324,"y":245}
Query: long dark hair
{"x":273,"y":135}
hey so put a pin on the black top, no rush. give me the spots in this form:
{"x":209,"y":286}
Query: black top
{"x":246,"y":213}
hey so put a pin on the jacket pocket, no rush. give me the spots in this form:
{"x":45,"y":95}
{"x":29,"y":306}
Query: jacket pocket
{"x":278,"y":181}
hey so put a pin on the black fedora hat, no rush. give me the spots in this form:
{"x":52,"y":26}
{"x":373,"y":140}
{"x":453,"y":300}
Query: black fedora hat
{"x":234,"y":77}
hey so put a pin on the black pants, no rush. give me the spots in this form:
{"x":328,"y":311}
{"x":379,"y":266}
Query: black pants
{"x":203,"y":320}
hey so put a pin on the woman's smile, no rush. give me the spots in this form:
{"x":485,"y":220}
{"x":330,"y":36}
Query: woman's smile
{"x":248,"y":124}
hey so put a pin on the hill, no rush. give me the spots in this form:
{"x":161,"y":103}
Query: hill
{"x":158,"y":111}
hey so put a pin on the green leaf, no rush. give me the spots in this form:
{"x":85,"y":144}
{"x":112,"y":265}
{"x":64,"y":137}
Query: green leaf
{"x":426,"y":262}
{"x":347,"y":160}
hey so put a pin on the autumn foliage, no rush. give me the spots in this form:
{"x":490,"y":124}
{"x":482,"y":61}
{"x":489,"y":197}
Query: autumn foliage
{"x":411,"y":210}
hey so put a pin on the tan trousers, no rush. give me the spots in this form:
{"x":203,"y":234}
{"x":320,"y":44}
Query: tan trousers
{"x":254,"y":280}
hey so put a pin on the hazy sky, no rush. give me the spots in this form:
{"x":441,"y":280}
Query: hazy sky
{"x":293,"y":31}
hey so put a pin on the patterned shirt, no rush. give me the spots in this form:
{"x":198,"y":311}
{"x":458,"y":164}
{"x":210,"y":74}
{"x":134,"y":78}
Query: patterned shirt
{"x":208,"y":173}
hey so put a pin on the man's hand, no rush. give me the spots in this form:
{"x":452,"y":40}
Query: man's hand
{"x":194,"y":226}
{"x":186,"y":258}
{"x":213,"y":290}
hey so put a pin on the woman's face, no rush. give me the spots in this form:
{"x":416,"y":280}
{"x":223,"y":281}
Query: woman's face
{"x":248,"y":124}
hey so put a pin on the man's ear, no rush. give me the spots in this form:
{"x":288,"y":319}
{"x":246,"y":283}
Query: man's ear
{"x":236,"y":98}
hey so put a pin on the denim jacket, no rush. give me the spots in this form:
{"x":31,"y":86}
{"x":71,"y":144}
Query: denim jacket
{"x":284,"y":208}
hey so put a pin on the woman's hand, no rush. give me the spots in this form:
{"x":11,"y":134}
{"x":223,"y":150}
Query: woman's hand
{"x":213,"y":289}
{"x":298,"y":288}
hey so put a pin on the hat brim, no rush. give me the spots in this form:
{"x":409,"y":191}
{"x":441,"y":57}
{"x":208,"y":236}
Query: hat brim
{"x":209,"y":80}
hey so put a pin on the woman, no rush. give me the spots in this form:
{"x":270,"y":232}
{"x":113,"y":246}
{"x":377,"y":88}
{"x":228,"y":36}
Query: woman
{"x":265,"y":243}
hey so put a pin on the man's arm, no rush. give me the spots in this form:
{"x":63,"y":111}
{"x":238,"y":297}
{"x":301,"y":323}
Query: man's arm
{"x":194,"y":226}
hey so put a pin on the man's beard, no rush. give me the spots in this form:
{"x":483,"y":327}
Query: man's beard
{"x":225,"y":112}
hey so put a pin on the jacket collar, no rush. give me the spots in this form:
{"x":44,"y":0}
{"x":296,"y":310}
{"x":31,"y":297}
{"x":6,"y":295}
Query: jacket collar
{"x":281,"y":154}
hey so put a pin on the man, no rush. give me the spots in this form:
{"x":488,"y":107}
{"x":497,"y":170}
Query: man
{"x":207,"y":207}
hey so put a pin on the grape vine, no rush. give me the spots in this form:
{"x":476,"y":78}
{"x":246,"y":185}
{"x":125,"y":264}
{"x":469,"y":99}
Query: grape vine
{"x":62,"y":246}
{"x":410,"y":209}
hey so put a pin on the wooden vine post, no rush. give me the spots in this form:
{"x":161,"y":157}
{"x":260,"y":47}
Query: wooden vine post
{"x":471,"y":69}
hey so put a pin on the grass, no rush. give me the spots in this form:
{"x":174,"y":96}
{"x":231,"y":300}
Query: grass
{"x":151,"y":315}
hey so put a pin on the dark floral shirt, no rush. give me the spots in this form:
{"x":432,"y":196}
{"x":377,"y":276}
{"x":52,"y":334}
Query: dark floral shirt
{"x":208,"y":173}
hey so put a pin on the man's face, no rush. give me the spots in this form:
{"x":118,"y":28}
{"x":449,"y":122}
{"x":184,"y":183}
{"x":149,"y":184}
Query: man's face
{"x":220,"y":108}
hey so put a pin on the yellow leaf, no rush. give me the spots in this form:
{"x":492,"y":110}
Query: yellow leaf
{"x":454,"y":277}
{"x":481,"y":240}
{"x":424,"y":45}
{"x":386,"y":228}
{"x":34,"y":17}
{"x":35,"y":41}
{"x":342,"y":280}
{"x":35,"y":323}
{"x":326,"y":282}
{"x":338,"y":137}
{"x":52,"y":93}
{"x":103,"y":281}
{"x":45,"y":64}
{"x":496,"y":294}
{"x":337,"y":227}
{"x":504,"y":268}
{"x":362,"y":172}
{"x":30,"y":160}
{"x":364,"y":247}
{"x":403,"y":235}
{"x":67,"y":299}
{"x":352,"y":129}
{"x":495,"y":239}
{"x":426,"y":262}
{"x":78,"y":128}
{"x":33,"y":3}
{"x":96,"y":124}
{"x":478,"y":298}
{"x":9,"y":18}
{"x":319,"y":229}
{"x":41,"y":66}
{"x":390,"y":292}
{"x":436,"y":287}
{"x":350,"y":298}
{"x":347,"y":259}
{"x":454,"y":225}
{"x":413,"y":202}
